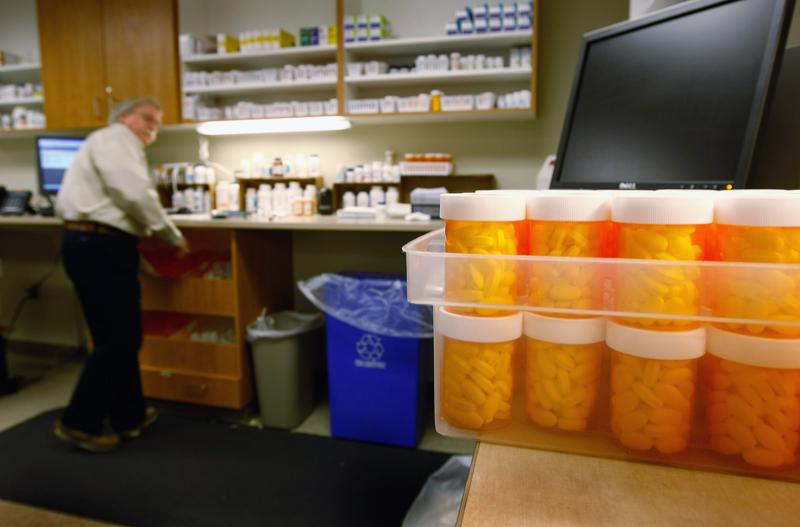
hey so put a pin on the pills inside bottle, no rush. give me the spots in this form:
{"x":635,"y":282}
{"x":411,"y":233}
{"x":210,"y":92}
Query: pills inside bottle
{"x":567,"y":224}
{"x":752,"y":393}
{"x":759,"y":228}
{"x":563,"y":366}
{"x":667,"y":227}
{"x":483,"y":224}
{"x":653,"y":381}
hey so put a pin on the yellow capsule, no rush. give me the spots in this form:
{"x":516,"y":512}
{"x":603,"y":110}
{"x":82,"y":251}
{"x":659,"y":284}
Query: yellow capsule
{"x":565,"y":361}
{"x":544,"y":400}
{"x":769,"y":438}
{"x":551,"y":390}
{"x":472,"y":392}
{"x":564,"y":384}
{"x":546,"y":368}
{"x":489,"y":409}
{"x":469,"y":420}
{"x":740,"y":410}
{"x":651,"y":371}
{"x":504,"y":389}
{"x":666,"y":416}
{"x":741,"y":434}
{"x":625,"y":402}
{"x":671,"y":445}
{"x":671,"y":396}
{"x":483,"y":383}
{"x":576,"y":412}
{"x":761,"y":457}
{"x":483,"y":368}
{"x":647,"y":395}
{"x":724,"y":445}
{"x":632,"y":422}
{"x":543,"y":418}
{"x":459,"y":404}
{"x":677,"y":375}
{"x":636,"y":441}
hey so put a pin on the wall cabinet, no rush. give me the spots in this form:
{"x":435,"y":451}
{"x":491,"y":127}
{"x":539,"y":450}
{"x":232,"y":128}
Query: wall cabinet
{"x":96,"y":53}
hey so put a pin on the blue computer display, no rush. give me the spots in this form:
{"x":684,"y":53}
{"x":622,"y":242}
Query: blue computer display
{"x":55,"y":155}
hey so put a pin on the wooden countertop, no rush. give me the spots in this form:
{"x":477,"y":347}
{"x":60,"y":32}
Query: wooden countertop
{"x":511,"y":486}
{"x":315,"y":223}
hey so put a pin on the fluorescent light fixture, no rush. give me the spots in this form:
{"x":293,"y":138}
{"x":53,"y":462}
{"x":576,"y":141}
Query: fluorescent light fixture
{"x":274,"y":126}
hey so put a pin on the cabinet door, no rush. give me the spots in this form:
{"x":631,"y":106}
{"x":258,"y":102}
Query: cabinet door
{"x":141,"y":52}
{"x":71,"y":43}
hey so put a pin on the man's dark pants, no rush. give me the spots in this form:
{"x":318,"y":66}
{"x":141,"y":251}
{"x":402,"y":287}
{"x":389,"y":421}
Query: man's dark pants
{"x":104,"y":270}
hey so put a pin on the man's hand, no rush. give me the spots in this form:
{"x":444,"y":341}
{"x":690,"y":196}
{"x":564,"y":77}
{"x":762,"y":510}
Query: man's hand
{"x":183,"y":249}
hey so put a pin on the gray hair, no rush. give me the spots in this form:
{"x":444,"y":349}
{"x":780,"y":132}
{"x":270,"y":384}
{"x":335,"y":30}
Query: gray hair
{"x":129,"y":105}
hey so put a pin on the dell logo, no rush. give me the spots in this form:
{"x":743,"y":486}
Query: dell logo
{"x":627,"y":186}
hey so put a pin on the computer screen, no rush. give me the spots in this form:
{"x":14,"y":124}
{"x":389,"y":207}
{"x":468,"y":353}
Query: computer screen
{"x":54,"y":156}
{"x":672,"y":100}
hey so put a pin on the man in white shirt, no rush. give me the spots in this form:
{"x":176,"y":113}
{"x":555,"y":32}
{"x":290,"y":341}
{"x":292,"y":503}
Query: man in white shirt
{"x":107,"y":202}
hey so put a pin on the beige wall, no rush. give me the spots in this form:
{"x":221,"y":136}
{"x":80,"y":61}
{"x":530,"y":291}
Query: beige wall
{"x":512,"y":150}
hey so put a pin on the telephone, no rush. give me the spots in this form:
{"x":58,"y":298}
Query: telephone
{"x":15,"y":202}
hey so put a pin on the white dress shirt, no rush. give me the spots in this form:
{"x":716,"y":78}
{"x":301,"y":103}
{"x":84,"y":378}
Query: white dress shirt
{"x":108,"y":183}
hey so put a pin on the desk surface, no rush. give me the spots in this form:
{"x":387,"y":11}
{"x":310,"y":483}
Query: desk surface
{"x":520,"y":487}
{"x":315,"y":223}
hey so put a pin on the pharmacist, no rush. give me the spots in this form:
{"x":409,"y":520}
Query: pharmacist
{"x":107,"y":202}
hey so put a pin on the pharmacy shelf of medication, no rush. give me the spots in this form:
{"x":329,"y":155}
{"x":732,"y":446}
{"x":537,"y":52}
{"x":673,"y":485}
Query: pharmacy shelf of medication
{"x":236,"y":89}
{"x":202,"y":221}
{"x":462,"y":43}
{"x":445,"y":77}
{"x":439,"y":117}
{"x":257,"y":58}
{"x":21,"y":101}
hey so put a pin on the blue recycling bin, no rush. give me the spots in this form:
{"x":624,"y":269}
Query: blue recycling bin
{"x":376,"y":345}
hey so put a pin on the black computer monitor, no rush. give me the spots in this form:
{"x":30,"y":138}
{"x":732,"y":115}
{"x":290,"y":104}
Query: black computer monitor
{"x":674,"y":99}
{"x":54,"y":155}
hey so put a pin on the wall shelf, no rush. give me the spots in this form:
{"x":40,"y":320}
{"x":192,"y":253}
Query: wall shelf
{"x":461,"y":43}
{"x":22,"y":101}
{"x":442,"y":78}
{"x":438,"y":117}
{"x":236,"y":89}
{"x":262,"y":58}
{"x":16,"y":69}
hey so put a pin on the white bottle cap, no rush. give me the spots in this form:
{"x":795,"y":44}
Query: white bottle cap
{"x":569,"y":206}
{"x":477,"y":329}
{"x":755,"y":351}
{"x":657,"y":208}
{"x":481,"y":207}
{"x":663,"y":345}
{"x":776,"y":209}
{"x":570,"y":331}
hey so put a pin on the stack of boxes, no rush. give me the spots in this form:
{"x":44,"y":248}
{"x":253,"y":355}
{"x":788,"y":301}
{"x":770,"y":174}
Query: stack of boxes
{"x":318,"y":35}
{"x":362,"y":28}
{"x":485,"y":18}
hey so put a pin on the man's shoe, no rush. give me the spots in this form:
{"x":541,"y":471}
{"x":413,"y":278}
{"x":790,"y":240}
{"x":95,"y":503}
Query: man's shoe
{"x":90,"y":443}
{"x":150,"y":417}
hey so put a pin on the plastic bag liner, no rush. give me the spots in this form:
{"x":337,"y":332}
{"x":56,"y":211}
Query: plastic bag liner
{"x":372,"y":304}
{"x":438,"y":502}
{"x":282,"y":324}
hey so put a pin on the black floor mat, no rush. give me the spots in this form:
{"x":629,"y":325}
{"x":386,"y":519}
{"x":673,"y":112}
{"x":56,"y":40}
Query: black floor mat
{"x":187,"y":471}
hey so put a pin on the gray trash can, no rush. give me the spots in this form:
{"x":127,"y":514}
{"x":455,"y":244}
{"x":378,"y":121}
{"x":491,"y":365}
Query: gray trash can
{"x":287,"y":347}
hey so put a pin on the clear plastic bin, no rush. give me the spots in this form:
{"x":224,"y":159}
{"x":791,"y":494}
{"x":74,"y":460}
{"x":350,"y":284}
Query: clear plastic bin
{"x":426,"y":265}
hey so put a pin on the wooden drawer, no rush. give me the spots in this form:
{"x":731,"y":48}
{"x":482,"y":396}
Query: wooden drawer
{"x":189,"y":295}
{"x":226,"y":392}
{"x":191,"y":356}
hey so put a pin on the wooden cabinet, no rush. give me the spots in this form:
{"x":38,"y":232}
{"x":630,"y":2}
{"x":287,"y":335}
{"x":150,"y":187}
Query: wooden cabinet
{"x":98,"y":52}
{"x":177,"y":368}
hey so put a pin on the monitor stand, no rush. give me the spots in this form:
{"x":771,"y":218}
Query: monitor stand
{"x":776,"y":163}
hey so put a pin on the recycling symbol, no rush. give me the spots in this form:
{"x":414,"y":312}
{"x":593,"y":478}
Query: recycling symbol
{"x":369,"y":347}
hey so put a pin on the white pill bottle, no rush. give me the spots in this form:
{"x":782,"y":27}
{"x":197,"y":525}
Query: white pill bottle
{"x":653,"y":386}
{"x":563,"y":368}
{"x":751,"y":388}
{"x":668,"y":227}
{"x":475,"y":360}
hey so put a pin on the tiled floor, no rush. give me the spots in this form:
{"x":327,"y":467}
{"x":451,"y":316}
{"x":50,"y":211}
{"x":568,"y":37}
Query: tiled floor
{"x":49,"y":378}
